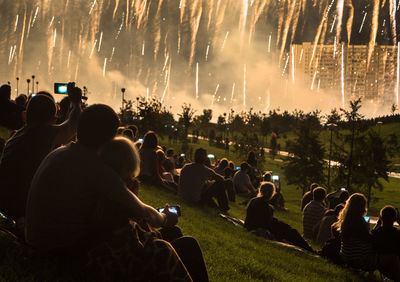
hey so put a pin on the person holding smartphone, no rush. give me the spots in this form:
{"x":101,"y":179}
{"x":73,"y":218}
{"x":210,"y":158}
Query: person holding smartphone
{"x":25,"y":151}
{"x":356,"y":241}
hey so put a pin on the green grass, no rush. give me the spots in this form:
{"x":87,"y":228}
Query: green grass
{"x":231,"y":253}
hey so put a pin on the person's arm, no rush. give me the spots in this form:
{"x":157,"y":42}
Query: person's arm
{"x":216,"y":176}
{"x":249,"y":185}
{"x":67,"y":130}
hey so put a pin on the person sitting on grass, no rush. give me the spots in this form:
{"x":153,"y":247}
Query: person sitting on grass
{"x":313,"y":213}
{"x":67,"y":192}
{"x":261,"y":221}
{"x":337,"y":197}
{"x":356,"y":247}
{"x":25,"y":151}
{"x":308,"y":196}
{"x":277,"y":200}
{"x":122,"y":156}
{"x":325,"y":226}
{"x":223,"y":163}
{"x":200,"y":184}
{"x":149,"y":170}
{"x":386,"y":237}
{"x":242,"y":182}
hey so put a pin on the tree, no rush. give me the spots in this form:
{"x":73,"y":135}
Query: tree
{"x":204,"y":120}
{"x":393,"y":109}
{"x":185,"y":119}
{"x":306,"y":164}
{"x":273,"y":147}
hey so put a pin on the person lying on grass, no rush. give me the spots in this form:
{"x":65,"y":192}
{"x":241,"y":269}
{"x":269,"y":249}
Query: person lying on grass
{"x":261,"y":221}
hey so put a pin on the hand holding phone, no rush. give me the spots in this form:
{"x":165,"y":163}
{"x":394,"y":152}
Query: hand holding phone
{"x":171,"y":218}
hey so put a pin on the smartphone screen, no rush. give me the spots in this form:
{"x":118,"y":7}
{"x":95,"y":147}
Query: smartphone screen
{"x":61,"y":88}
{"x":343,"y":189}
{"x":366,"y":218}
{"x":275,"y":178}
{"x":173,"y":209}
{"x":211,"y":156}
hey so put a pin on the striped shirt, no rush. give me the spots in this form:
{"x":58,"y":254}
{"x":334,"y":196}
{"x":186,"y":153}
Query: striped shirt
{"x":312,"y":215}
{"x":359,"y":253}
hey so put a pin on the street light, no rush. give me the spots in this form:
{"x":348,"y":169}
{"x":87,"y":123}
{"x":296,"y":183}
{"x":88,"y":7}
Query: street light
{"x":33,"y":84}
{"x":17,"y":86}
{"x":28,"y":81}
{"x":379,"y":124}
{"x":331,"y":126}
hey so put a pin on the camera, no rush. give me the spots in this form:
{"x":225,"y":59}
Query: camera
{"x":173,"y":209}
{"x":61,"y":88}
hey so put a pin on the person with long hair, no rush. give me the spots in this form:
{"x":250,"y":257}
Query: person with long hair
{"x":356,"y":241}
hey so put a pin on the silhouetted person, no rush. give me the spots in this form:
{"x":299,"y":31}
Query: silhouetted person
{"x":242,"y":182}
{"x":260,"y":219}
{"x":386,"y":237}
{"x":21,"y":101}
{"x":29,"y":146}
{"x":10,"y":113}
{"x":199,"y":183}
{"x":308,"y":196}
{"x":313,"y":213}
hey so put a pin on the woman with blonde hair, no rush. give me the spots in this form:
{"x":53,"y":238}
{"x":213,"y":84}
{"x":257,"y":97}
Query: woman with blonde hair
{"x":356,"y":241}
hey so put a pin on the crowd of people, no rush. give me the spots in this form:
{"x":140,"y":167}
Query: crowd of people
{"x":70,"y":178}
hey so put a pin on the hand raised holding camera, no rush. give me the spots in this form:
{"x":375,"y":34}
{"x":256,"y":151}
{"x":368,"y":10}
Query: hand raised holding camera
{"x":74,"y":94}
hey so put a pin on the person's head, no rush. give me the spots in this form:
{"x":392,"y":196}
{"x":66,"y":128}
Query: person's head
{"x":232,"y":166}
{"x":21,"y":100}
{"x":352,"y":214}
{"x":388,"y":215}
{"x":227,"y":172}
{"x":150,"y":140}
{"x":5,"y":92}
{"x":344,"y":195}
{"x":313,"y":186}
{"x":244,"y":167}
{"x":223,"y":163}
{"x":200,"y":156}
{"x":319,"y":194}
{"x":40,"y":110}
{"x":120,"y":130}
{"x":45,"y":93}
{"x":266,"y":190}
{"x":122,"y":156}
{"x":128,"y":134}
{"x":170,"y":153}
{"x":97,"y":125}
{"x":267,"y":176}
{"x":338,"y":209}
{"x":134,"y":129}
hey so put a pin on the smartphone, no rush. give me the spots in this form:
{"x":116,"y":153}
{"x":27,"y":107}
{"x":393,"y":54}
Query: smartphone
{"x":366,"y":218}
{"x":173,"y":209}
{"x":182,"y":155}
{"x":342,"y":189}
{"x":141,"y":140}
{"x":238,"y":168}
{"x":211,"y":156}
{"x":61,"y":88}
{"x":275,"y":177}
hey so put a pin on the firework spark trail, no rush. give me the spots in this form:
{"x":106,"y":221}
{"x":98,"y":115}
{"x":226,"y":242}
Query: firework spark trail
{"x":286,"y":65}
{"x":293,"y":66}
{"x":339,"y":9}
{"x":392,"y":5}
{"x":210,"y":13}
{"x":34,"y":18}
{"x":215,"y":94}
{"x":286,"y":27}
{"x":374,"y":31}
{"x":220,"y":12}
{"x":333,"y":24}
{"x":362,"y":23}
{"x":259,"y":8}
{"x":243,"y":21}
{"x":233,"y":92}
{"x":224,"y":42}
{"x":16,"y":23}
{"x":94,"y":47}
{"x":269,"y":43}
{"x":92,"y":7}
{"x":194,"y":25}
{"x":167,"y":85}
{"x":350,"y":21}
{"x":105,"y":67}
{"x":313,"y":81}
{"x":69,"y":58}
{"x":100,"y":41}
{"x":318,"y":35}
{"x":115,"y":9}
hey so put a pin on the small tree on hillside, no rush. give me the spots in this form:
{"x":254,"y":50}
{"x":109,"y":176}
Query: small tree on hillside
{"x":185,"y":119}
{"x":307,"y":162}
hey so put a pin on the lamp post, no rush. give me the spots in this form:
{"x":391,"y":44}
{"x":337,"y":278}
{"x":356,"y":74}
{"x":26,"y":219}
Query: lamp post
{"x":28,"y":81}
{"x":33,"y":84}
{"x":37,"y":86}
{"x":379,"y":124}
{"x":331,"y":126}
{"x":123,"y":97}
{"x":17,"y":85}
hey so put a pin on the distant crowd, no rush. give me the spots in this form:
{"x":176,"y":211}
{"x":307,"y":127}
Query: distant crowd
{"x":70,"y":178}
